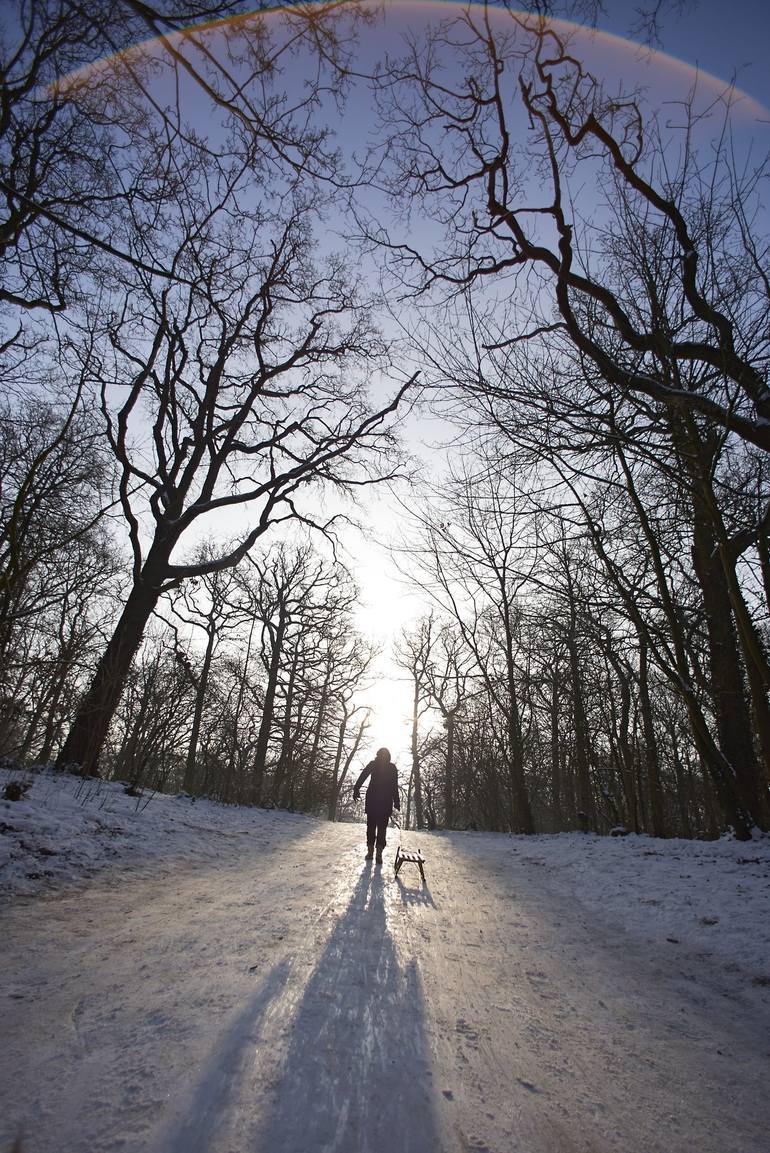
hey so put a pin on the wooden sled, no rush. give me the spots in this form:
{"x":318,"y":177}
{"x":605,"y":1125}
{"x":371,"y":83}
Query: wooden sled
{"x":414,"y":858}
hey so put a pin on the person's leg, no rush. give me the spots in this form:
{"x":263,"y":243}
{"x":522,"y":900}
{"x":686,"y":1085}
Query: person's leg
{"x":371,"y":834}
{"x":382,"y":828}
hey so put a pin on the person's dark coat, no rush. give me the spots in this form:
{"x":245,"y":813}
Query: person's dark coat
{"x":382,"y":791}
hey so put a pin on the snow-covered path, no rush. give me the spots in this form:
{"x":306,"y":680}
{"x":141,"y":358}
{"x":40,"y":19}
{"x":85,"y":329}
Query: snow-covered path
{"x":287,"y":997}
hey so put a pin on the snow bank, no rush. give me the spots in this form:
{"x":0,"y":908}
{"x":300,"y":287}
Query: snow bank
{"x":711,"y":897}
{"x":65,"y":829}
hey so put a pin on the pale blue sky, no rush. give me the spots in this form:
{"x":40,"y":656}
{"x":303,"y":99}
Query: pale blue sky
{"x":719,"y":37}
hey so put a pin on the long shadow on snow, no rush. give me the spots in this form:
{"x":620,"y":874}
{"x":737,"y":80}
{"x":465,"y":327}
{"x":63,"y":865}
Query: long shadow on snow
{"x":222,"y":1077}
{"x":414,"y":896}
{"x":357,"y":1073}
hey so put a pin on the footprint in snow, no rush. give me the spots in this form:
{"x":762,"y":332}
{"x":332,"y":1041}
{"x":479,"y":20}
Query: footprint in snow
{"x":463,"y":1027}
{"x":477,"y":1145}
{"x":528,"y":1085}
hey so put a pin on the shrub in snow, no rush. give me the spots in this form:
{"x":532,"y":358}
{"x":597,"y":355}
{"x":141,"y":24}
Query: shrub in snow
{"x":15,"y":790}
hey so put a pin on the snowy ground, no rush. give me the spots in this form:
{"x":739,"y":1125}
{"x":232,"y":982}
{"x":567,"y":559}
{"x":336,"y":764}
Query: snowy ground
{"x":181,"y":977}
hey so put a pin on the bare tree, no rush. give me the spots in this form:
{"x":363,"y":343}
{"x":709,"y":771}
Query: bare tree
{"x":600,"y":309}
{"x":344,"y":759}
{"x":291,"y":583}
{"x":413,"y":654}
{"x":477,"y":552}
{"x":214,"y":604}
{"x":71,"y":188}
{"x":168,"y":267}
{"x":148,"y":740}
{"x":469,"y":160}
{"x":250,"y":379}
{"x":447,"y":675}
{"x":54,"y":482}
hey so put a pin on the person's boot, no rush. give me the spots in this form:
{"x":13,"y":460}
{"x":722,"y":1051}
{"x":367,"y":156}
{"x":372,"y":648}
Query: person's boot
{"x":369,"y":854}
{"x":379,"y":856}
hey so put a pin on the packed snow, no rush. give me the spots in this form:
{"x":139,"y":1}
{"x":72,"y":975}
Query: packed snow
{"x":181,"y":976}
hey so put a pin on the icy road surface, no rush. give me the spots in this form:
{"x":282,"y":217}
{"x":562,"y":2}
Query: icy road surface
{"x":292,"y":998}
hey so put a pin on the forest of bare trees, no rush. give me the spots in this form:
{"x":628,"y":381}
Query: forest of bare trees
{"x":599,"y":563}
{"x":188,"y":368}
{"x":197,"y":376}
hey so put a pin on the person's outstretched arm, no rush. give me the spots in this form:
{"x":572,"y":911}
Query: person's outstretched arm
{"x":357,"y":786}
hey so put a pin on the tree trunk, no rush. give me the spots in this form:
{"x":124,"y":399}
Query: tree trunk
{"x":351,"y":757}
{"x":334,"y":792}
{"x":584,"y":798}
{"x":731,"y":711}
{"x":307,"y":788}
{"x":755,"y":663}
{"x":763,"y":552}
{"x":126,"y":760}
{"x":449,"y":805}
{"x":48,"y":706}
{"x":268,"y":708}
{"x":293,"y":764}
{"x":556,"y":781}
{"x":287,"y":743}
{"x":722,"y":772}
{"x":242,"y":679}
{"x":622,"y":739}
{"x":682,"y":791}
{"x":88,"y":732}
{"x":200,"y":698}
{"x":409,"y":785}
{"x":416,"y":778}
{"x":651,"y":762}
{"x":521,"y":817}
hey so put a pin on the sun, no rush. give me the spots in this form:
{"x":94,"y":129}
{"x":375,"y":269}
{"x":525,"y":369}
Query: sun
{"x":390,"y":723}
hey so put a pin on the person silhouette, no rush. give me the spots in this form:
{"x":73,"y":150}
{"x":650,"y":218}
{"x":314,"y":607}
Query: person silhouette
{"x":381,"y":798}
